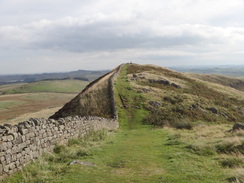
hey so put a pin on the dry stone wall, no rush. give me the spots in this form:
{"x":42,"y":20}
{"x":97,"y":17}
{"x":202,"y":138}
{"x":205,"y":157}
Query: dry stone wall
{"x":111,"y":91}
{"x":22,"y":143}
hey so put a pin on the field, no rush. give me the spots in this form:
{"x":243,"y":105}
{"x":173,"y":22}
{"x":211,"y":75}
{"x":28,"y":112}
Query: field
{"x":38,"y":99}
{"x":55,"y":86}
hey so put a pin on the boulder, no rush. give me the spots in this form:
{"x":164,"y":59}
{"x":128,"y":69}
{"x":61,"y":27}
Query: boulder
{"x":164,"y":82}
{"x":155,"y":103}
{"x":238,"y":126}
{"x":213,"y":110}
{"x":175,"y":85}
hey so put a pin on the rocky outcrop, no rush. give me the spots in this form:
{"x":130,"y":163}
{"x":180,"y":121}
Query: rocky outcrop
{"x":213,"y":110}
{"x":164,"y":82}
{"x":238,"y":126}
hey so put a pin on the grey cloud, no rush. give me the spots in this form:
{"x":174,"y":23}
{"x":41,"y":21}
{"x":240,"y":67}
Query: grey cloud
{"x":102,"y":37}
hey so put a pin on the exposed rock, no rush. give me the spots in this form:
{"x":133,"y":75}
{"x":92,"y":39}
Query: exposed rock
{"x":238,"y":126}
{"x":164,"y":82}
{"x":3,"y":130}
{"x":175,"y":85}
{"x":161,"y":81}
{"x":155,"y":103}
{"x":82,"y":163}
{"x":136,"y":107}
{"x":240,"y":111}
{"x":145,"y":90}
{"x":213,"y":110}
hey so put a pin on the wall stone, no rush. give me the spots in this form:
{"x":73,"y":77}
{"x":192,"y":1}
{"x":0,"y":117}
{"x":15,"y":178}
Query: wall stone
{"x":22,"y":143}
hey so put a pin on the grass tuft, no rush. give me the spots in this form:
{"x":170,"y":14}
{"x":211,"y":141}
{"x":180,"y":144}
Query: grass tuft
{"x":232,"y":162}
{"x":202,"y":149}
{"x":58,"y":149}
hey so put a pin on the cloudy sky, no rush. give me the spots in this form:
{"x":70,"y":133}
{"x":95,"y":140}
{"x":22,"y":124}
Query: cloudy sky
{"x":63,"y":35}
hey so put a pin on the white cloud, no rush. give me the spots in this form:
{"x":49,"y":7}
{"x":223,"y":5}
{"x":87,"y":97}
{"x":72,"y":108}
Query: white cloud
{"x":182,"y":31}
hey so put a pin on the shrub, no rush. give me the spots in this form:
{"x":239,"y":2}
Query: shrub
{"x":230,"y":145}
{"x":169,"y":99}
{"x":70,"y":154}
{"x":96,"y":135}
{"x":202,"y":149}
{"x":183,"y":125}
{"x":58,"y":149}
{"x":117,"y":163}
{"x":232,"y":162}
{"x":73,"y":142}
{"x":238,"y":176}
{"x":82,"y":152}
{"x":174,"y":140}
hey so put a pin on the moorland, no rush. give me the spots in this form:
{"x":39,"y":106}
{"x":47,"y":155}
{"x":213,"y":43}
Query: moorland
{"x":174,"y":127}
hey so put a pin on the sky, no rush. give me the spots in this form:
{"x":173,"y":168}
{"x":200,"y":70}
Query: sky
{"x":39,"y":36}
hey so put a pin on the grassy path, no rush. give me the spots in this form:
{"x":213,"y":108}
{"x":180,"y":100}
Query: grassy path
{"x":144,"y":155}
{"x":138,"y":155}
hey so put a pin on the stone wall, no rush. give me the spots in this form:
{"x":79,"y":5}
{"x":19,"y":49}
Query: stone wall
{"x":111,"y":91}
{"x":22,"y":143}
{"x":97,"y":99}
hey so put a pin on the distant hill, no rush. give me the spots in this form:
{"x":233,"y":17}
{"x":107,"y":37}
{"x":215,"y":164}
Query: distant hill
{"x":84,"y":75}
{"x":233,"y":71}
{"x":51,"y":86}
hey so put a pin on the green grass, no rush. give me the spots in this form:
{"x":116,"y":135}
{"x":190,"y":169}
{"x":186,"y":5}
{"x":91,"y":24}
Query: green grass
{"x":130,"y":155}
{"x":8,"y":104}
{"x":130,"y":104}
{"x":60,"y":86}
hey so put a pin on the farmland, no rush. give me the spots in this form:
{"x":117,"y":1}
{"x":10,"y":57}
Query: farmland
{"x":38,"y":99}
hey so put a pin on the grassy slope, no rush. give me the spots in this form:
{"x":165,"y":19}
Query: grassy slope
{"x":35,"y":97}
{"x":191,"y":102}
{"x":136,"y":153}
{"x":60,"y":86}
{"x":225,"y":81}
{"x":12,"y":106}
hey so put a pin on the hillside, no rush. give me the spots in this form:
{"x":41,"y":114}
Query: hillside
{"x":97,"y":99}
{"x":222,"y":80}
{"x":169,"y":97}
{"x":160,"y":96}
{"x":149,"y":97}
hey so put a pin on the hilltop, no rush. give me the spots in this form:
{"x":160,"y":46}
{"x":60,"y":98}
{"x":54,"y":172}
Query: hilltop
{"x":160,"y":96}
{"x":170,"y":96}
